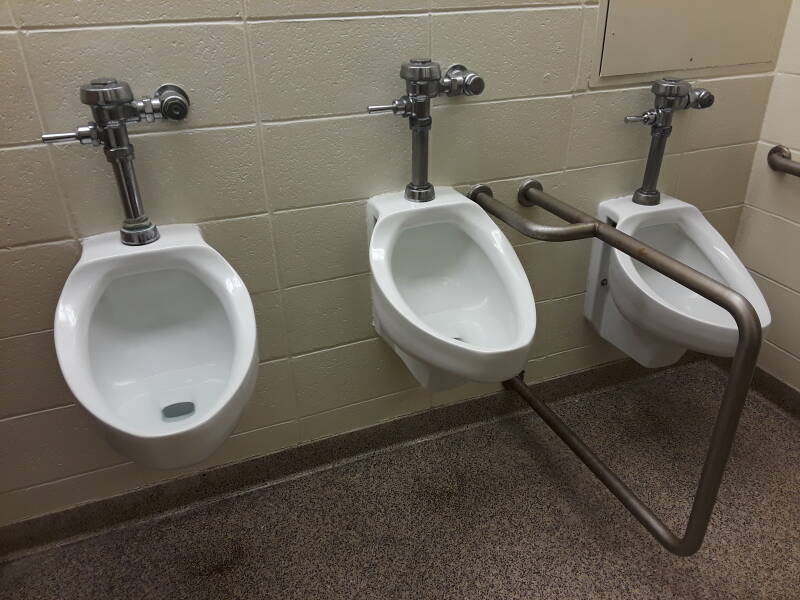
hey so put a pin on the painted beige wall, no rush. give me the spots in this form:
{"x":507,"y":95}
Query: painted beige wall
{"x":276,"y":161}
{"x":768,"y":239}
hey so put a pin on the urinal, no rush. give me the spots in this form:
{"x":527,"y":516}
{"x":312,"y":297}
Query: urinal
{"x":649,"y":316}
{"x":158,"y":343}
{"x":449,"y":294}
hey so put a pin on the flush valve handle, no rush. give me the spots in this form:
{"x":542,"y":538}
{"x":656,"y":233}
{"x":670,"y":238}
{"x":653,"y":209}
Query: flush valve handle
{"x":648,"y":117}
{"x":398,"y":107}
{"x":84,"y":135}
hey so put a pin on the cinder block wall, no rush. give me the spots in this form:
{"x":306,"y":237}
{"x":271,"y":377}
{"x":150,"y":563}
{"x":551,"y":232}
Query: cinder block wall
{"x":276,"y":160}
{"x":768,"y":240}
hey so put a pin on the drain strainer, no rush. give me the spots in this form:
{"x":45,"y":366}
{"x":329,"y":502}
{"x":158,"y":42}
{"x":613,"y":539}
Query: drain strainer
{"x":177,"y":410}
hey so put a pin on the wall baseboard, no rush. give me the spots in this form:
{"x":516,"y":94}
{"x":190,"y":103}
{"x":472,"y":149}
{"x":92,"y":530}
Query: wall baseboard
{"x":90,"y":518}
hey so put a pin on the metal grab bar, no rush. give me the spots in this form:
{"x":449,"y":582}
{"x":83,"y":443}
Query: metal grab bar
{"x":779,"y":158}
{"x":733,"y":398}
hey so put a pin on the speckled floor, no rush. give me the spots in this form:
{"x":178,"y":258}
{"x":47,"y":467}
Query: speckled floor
{"x":496,"y":510}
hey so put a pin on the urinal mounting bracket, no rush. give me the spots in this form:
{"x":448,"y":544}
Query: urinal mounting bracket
{"x":670,"y":95}
{"x":424,"y":81}
{"x":113,"y":107}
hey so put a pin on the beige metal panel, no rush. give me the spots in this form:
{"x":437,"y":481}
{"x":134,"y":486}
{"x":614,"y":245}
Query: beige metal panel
{"x":647,"y":37}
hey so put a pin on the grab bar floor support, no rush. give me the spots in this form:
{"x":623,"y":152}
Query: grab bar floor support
{"x":582,"y":226}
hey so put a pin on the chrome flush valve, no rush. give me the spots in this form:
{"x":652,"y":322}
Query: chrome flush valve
{"x":113,"y":107}
{"x":424,"y":81}
{"x":670,"y":95}
{"x":169,"y":102}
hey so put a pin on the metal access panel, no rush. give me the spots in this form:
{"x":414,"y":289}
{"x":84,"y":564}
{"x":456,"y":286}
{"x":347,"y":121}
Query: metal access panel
{"x":644,"y":36}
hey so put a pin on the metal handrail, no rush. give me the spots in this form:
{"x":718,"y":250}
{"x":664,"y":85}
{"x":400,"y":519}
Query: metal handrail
{"x":779,"y":158}
{"x":733,"y":398}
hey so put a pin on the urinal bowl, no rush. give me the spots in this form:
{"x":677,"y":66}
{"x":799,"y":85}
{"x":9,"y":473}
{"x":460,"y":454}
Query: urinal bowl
{"x":650,"y":317}
{"x":448,"y":291}
{"x":158,"y":343}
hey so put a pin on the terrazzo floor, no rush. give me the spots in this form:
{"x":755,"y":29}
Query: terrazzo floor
{"x":500,"y":509}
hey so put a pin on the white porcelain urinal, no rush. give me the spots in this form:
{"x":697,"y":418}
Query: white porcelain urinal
{"x":158,"y":343}
{"x":647,"y":315}
{"x":448,"y":291}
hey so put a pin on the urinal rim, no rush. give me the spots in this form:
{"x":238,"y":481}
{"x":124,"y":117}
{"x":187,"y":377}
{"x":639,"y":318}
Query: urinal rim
{"x":186,"y":248}
{"x":693,"y":225}
{"x":491,"y":241}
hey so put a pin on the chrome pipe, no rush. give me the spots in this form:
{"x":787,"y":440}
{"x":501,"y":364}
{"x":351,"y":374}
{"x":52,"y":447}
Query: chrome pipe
{"x":137,"y":229}
{"x":733,"y":398}
{"x":648,"y":193}
{"x":420,"y":189}
{"x":125,"y":175}
{"x":419,"y":157}
{"x":119,"y":152}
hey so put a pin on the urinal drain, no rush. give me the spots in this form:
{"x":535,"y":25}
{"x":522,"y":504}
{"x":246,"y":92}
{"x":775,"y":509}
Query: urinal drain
{"x":178,"y":410}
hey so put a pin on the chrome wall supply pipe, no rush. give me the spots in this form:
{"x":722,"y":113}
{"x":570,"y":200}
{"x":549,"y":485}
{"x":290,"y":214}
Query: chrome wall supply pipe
{"x":670,"y":95}
{"x":582,"y":226}
{"x":424,"y":81}
{"x":113,"y":107}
